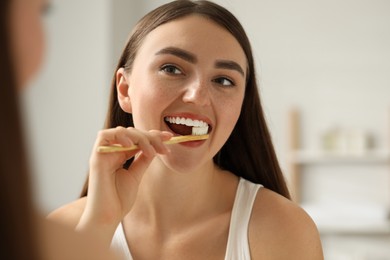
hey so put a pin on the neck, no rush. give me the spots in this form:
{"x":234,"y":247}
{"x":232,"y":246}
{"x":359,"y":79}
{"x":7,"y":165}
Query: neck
{"x":168,"y":198}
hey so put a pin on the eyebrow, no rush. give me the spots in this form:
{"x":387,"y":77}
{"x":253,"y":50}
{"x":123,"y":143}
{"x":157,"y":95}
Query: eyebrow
{"x":231,"y":65}
{"x":187,"y":56}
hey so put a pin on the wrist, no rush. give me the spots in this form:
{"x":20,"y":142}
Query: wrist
{"x":102,"y":229}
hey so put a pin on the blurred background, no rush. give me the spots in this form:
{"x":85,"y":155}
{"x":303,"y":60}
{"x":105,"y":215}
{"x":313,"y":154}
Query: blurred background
{"x":324,"y":74}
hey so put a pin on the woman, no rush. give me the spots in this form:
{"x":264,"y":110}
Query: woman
{"x":220,"y":198}
{"x":25,"y":234}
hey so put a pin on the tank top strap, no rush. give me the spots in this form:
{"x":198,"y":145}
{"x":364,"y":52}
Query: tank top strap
{"x":238,"y":243}
{"x":119,"y":244}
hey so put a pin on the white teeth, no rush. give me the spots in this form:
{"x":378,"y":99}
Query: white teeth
{"x":199,"y":127}
{"x":186,"y":121}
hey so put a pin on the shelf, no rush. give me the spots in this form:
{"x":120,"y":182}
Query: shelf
{"x":352,"y":151}
{"x":317,"y":156}
{"x":353,"y":220}
{"x":369,"y":228}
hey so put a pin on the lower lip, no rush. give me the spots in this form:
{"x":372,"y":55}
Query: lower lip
{"x":193,"y":143}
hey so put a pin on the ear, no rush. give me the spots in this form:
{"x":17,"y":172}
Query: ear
{"x":122,"y":87}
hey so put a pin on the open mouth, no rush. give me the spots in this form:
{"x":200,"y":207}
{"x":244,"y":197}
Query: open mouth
{"x":187,"y":126}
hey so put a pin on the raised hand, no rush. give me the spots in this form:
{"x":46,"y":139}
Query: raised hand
{"x":112,"y":189}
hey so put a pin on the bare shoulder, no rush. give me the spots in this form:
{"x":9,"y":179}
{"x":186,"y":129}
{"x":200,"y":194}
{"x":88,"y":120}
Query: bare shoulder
{"x":69,"y":214}
{"x":280,"y":229}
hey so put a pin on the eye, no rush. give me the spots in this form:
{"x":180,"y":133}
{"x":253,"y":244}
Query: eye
{"x":224,"y":82}
{"x":171,"y":69}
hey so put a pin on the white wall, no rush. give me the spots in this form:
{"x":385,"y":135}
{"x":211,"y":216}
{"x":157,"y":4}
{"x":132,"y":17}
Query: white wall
{"x":124,"y":14}
{"x":65,"y":105}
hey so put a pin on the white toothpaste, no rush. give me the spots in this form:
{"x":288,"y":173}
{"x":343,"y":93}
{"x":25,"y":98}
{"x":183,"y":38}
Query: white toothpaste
{"x":200,"y":130}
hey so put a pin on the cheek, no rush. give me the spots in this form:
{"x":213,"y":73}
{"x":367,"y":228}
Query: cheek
{"x":148,"y":91}
{"x":228,"y":114}
{"x":232,"y":112}
{"x":148,"y":101}
{"x":227,"y":117}
{"x":28,"y":44}
{"x":230,"y":107}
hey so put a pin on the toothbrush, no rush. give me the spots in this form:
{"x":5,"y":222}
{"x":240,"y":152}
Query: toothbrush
{"x":196,"y":136}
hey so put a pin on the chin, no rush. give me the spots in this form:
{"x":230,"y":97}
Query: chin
{"x":184,"y":164}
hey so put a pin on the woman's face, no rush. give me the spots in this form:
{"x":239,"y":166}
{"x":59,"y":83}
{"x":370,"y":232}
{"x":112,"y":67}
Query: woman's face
{"x":188,"y":68}
{"x":27,"y":38}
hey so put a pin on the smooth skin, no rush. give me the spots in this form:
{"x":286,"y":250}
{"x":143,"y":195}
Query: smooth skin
{"x":174,"y":202}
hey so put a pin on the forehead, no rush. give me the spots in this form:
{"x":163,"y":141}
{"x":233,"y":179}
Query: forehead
{"x":196,"y":34}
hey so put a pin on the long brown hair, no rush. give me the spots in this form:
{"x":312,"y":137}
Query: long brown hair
{"x":249,"y":151}
{"x":17,"y":232}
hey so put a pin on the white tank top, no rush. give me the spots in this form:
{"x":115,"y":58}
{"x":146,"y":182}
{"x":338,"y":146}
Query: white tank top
{"x":237,"y":246}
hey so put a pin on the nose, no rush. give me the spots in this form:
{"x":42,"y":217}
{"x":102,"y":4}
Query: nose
{"x":197,"y":93}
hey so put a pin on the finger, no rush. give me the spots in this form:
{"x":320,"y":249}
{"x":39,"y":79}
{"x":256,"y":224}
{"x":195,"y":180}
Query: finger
{"x":151,"y":142}
{"x":118,"y":135}
{"x":144,"y":144}
{"x":157,"y":141}
{"x":113,"y":161}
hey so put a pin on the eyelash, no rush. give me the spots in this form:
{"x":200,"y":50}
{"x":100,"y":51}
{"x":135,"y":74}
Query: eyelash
{"x":170,"y":66}
{"x":218,"y":80}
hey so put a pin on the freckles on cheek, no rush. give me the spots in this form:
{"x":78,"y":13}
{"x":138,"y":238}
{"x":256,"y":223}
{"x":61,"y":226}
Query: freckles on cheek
{"x":228,"y":113}
{"x":233,"y":106}
{"x":164,"y":92}
{"x":155,"y":94}
{"x":149,"y":98}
